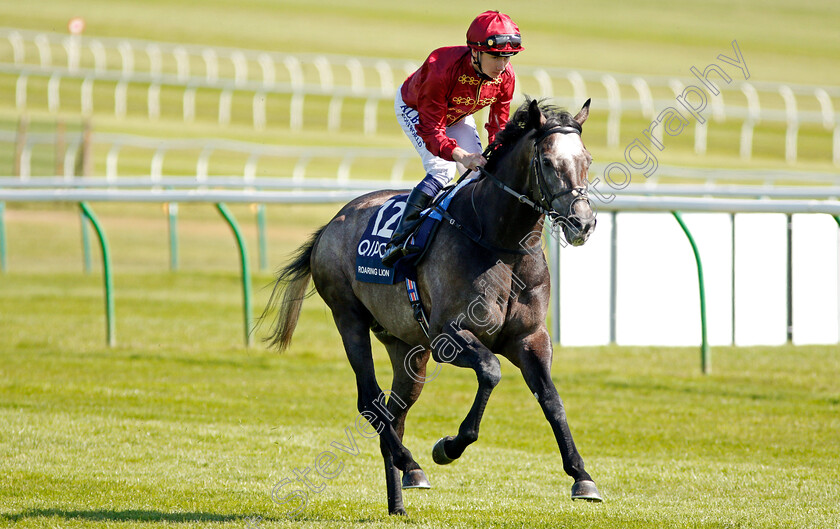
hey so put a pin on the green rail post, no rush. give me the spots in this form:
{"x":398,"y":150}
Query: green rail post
{"x":3,"y":237}
{"x":172,"y":211}
{"x":705,"y":361}
{"x":106,"y":272}
{"x":246,"y":274}
{"x":86,"y":259}
{"x":837,"y":218}
{"x":261,"y":237}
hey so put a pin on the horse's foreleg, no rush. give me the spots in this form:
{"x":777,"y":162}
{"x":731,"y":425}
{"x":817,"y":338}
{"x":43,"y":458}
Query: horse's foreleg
{"x":535,"y":363}
{"x":467,"y":352}
{"x":371,"y":402}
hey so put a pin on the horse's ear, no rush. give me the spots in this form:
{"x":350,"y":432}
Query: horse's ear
{"x":535,"y":115}
{"x":584,"y":113}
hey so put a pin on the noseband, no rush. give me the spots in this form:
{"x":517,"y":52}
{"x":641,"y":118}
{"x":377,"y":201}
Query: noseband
{"x":538,"y":185}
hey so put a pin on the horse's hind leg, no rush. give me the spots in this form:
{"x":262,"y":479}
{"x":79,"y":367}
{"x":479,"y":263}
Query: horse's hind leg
{"x":472,"y":354}
{"x":355,"y":334}
{"x":409,"y":366}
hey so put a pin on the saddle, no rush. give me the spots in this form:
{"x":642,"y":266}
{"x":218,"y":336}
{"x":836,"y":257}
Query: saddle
{"x":380,"y":227}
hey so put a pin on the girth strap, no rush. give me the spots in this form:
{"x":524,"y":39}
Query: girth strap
{"x":417,"y":306}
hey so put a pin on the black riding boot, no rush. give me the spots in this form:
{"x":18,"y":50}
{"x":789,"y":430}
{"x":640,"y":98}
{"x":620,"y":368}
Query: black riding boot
{"x":416,"y":203}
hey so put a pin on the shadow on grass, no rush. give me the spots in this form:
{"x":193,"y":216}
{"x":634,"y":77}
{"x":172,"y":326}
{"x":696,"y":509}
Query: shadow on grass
{"x":132,"y":516}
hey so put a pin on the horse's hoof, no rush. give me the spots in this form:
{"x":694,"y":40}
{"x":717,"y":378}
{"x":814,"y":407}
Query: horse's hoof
{"x":586,"y":490}
{"x":439,"y":454}
{"x":398,"y":512}
{"x":415,"y":479}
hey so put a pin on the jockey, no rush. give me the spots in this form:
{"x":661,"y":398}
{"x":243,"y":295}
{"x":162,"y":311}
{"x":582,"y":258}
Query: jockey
{"x":435,"y":105}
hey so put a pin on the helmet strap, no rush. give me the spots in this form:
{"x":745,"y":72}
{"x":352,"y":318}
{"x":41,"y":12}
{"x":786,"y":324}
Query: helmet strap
{"x":476,"y":60}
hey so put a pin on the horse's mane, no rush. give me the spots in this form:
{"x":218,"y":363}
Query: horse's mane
{"x":519,"y":125}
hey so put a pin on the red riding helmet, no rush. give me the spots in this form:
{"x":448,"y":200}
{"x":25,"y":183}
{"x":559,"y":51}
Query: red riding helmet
{"x":494,"y":32}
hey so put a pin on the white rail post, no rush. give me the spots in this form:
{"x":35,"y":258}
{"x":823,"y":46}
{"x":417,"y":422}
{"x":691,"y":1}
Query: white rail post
{"x":258,"y":105}
{"x":830,"y":123}
{"x":18,"y":50}
{"x":578,"y":85}
{"x":645,"y":97}
{"x":72,"y":47}
{"x":700,"y":129}
{"x":325,"y":74}
{"x":268,"y":70}
{"x":189,"y":104}
{"x":240,"y":68}
{"x":70,"y":160}
{"x":120,"y":97}
{"x":156,"y":169}
{"x":182,"y":63}
{"x":211,"y":64}
{"x":753,"y":118}
{"x":544,"y":80}
{"x":292,"y":65}
{"x":614,"y":116}
{"x":155,"y":60}
{"x":299,"y":172}
{"x":127,"y":55}
{"x":334,"y":113}
{"x":225,"y":102}
{"x":646,"y":102}
{"x":250,"y":171}
{"x":719,"y":107}
{"x":112,"y":161}
{"x":386,"y":77}
{"x":792,"y":123}
{"x":202,"y":164}
{"x":357,"y":75}
{"x":398,"y":169}
{"x":344,"y":168}
{"x":87,"y":96}
{"x":44,"y":51}
{"x":153,"y":101}
{"x":370,"y":116}
{"x":296,"y":111}
{"x":26,"y":162}
{"x":100,"y":57}
{"x":20,"y":92}
{"x":53,"y":93}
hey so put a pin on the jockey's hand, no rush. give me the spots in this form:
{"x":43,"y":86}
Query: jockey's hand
{"x":470,"y":160}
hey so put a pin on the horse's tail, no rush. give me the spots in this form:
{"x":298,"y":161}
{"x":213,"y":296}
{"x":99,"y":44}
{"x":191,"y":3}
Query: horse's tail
{"x":291,"y":284}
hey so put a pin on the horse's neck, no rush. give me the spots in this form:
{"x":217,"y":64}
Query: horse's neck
{"x":506,"y":222}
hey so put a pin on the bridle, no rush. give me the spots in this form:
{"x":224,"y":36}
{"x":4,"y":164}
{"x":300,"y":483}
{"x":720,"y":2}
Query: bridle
{"x":537,"y":183}
{"x":537,"y":186}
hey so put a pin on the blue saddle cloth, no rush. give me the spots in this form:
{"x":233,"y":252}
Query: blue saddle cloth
{"x":380,"y":227}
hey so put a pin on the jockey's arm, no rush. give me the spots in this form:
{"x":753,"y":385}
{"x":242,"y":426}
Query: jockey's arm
{"x":470,"y":160}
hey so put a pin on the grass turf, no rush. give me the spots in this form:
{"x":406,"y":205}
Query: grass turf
{"x":179,"y":425}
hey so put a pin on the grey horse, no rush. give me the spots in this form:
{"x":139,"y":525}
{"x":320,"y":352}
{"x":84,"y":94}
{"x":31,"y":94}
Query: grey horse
{"x":484,"y":282}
